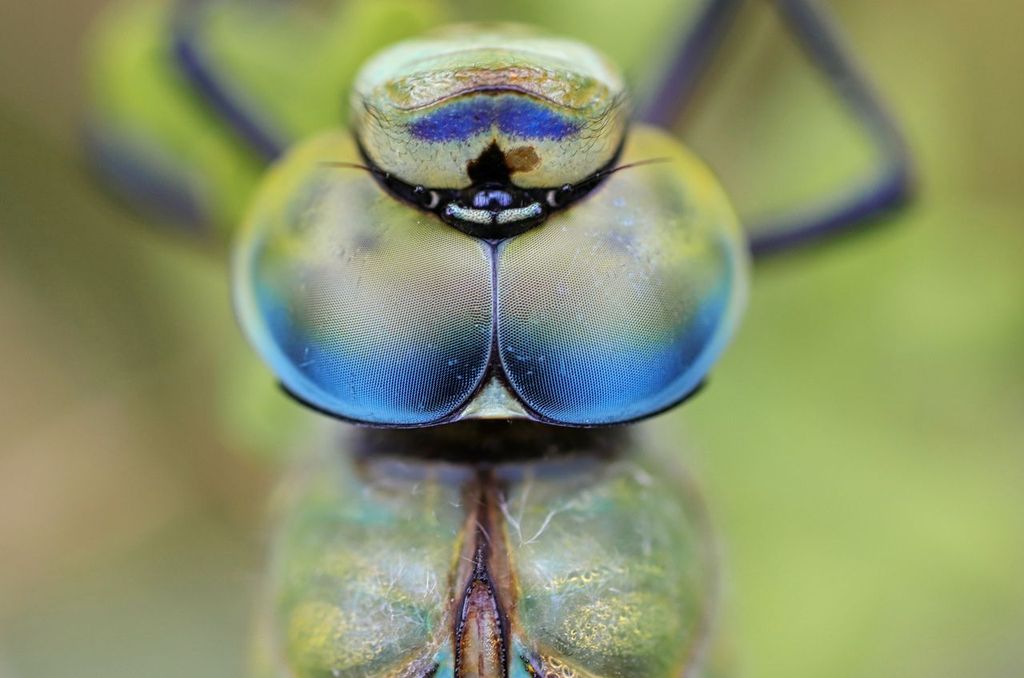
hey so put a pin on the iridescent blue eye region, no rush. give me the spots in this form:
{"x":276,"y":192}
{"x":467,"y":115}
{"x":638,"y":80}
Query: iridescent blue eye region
{"x":367,"y":372}
{"x":512,"y":114}
{"x":587,"y":374}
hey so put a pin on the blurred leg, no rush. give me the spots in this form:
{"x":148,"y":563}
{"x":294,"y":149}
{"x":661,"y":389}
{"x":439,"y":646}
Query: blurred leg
{"x":887,"y":187}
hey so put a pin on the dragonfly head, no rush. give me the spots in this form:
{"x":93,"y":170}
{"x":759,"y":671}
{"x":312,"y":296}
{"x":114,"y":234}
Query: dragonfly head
{"x":484,"y":132}
{"x":479,"y":284}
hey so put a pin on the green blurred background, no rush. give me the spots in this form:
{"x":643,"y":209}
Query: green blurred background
{"x":861,"y":444}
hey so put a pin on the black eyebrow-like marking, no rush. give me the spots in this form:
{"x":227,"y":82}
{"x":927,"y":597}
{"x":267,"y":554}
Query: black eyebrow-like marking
{"x":489,"y":170}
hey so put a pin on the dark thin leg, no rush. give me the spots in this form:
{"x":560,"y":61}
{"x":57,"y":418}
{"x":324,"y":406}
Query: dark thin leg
{"x":890,"y":185}
{"x":218,"y":95}
{"x":686,"y":65}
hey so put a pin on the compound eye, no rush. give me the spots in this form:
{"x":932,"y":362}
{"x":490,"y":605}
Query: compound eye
{"x":617,"y":308}
{"x":383,"y":324}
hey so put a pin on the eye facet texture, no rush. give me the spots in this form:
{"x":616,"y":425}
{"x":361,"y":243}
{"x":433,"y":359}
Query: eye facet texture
{"x":372,"y":310}
{"x":616,"y":308}
{"x":363,"y":306}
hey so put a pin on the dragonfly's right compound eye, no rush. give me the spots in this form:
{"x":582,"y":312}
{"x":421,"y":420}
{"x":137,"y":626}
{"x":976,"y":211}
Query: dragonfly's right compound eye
{"x":364,"y":306}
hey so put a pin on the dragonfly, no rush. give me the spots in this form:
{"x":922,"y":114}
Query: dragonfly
{"x":493,"y":265}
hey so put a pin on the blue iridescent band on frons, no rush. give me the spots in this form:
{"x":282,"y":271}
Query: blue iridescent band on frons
{"x":513,"y":115}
